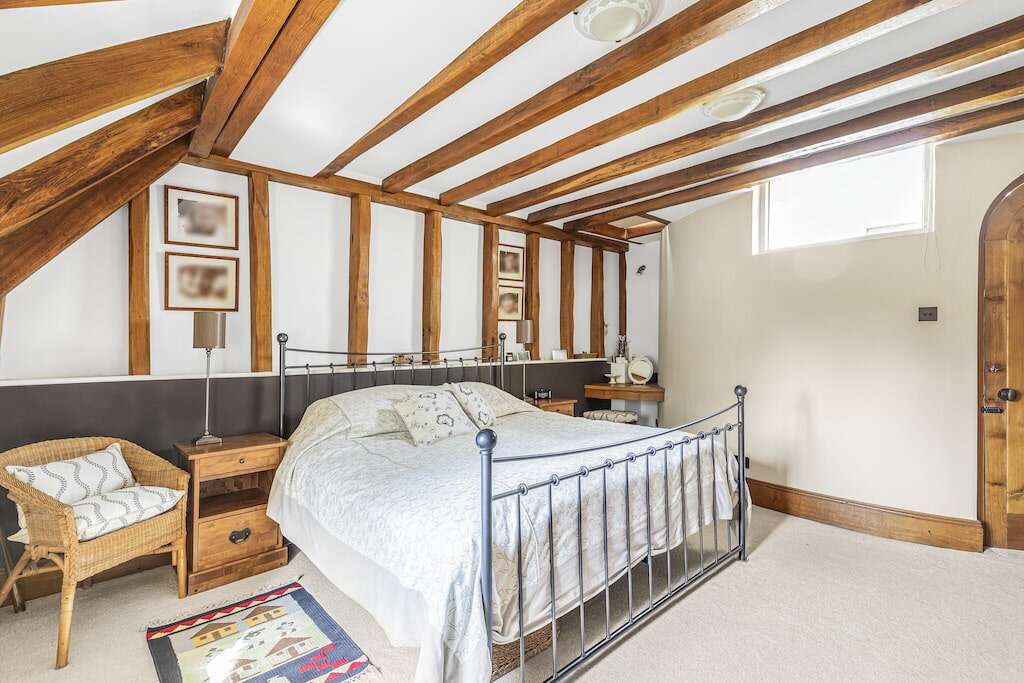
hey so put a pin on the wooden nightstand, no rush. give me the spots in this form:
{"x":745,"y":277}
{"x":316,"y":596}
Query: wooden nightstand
{"x":565,"y":406}
{"x":230,"y":535}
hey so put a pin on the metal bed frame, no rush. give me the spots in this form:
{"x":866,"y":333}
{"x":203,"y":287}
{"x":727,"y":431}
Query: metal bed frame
{"x":718,"y":424}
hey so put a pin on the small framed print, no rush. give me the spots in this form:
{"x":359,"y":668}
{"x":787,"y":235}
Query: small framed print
{"x":510,"y":303}
{"x":197,"y":218}
{"x":200,"y":283}
{"x":511,"y":263}
{"x":559,"y":354}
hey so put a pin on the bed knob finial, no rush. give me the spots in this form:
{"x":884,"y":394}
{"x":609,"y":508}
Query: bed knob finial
{"x":740,"y":391}
{"x":502,"y":336}
{"x":486,"y":439}
{"x":282,"y":338}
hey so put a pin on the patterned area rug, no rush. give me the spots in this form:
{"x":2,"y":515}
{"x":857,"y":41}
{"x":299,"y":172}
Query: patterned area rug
{"x":281,"y":636}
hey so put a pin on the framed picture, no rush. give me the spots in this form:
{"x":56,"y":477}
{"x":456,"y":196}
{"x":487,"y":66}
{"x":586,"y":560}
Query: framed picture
{"x":510,"y":303}
{"x":200,"y":283}
{"x":511,"y":263}
{"x":197,"y":218}
{"x":559,"y":354}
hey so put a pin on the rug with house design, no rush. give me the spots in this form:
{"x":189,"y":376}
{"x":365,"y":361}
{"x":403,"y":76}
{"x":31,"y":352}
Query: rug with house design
{"x":282,"y":636}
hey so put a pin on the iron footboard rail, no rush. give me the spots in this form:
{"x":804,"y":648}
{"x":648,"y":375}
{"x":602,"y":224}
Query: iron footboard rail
{"x":486,"y":441}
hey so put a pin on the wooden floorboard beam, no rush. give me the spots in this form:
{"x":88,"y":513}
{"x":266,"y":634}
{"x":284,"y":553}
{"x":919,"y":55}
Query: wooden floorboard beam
{"x":359,"y":277}
{"x":848,"y":30}
{"x":64,"y":174}
{"x":936,"y":131}
{"x":693,"y":26}
{"x":252,"y":32}
{"x":348,"y":187}
{"x":44,"y":99}
{"x":970,"y":97}
{"x":977,"y":48}
{"x":24,"y":252}
{"x":138,"y":284}
{"x":432,"y":250}
{"x":260,"y":292}
{"x":515,"y":29}
{"x":305,"y":20}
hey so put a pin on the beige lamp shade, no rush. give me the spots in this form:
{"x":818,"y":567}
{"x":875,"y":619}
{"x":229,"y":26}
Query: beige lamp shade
{"x":208,"y":330}
{"x":524,"y":331}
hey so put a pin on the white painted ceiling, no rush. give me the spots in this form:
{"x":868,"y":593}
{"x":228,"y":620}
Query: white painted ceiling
{"x":372,"y":54}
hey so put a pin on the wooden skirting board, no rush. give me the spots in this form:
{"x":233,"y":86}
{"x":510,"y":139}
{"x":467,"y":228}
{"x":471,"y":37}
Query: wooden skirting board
{"x":901,"y":525}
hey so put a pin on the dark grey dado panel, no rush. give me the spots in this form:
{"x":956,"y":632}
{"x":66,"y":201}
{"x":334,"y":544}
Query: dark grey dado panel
{"x":156,"y":413}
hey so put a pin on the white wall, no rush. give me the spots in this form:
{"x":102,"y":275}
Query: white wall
{"x":642,"y":299}
{"x":849,"y":395}
{"x":70,"y":318}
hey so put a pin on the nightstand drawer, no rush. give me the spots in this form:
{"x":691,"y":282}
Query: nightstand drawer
{"x":235,"y":537}
{"x":214,"y":466}
{"x":563,"y":408}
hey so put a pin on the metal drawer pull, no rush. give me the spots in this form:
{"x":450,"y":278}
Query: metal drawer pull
{"x":240,"y":535}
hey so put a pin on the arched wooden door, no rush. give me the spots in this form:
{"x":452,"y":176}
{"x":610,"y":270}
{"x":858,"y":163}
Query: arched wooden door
{"x":1001,"y":370}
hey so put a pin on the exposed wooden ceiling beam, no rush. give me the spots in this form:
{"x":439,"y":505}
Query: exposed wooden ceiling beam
{"x":49,"y":97}
{"x":515,"y":29}
{"x":256,"y":24}
{"x":645,"y":229}
{"x":986,"y":92}
{"x":693,"y":26}
{"x":29,"y":249}
{"x":406,"y":200}
{"x":74,"y":168}
{"x":977,"y":48}
{"x":306,"y":19}
{"x":935,"y":131}
{"x":828,"y":38}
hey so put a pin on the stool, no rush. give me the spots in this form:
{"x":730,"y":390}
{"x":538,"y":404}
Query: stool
{"x":620,"y":416}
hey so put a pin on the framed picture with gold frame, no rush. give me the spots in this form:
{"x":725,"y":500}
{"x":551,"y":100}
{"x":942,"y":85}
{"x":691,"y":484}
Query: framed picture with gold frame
{"x":511,"y":262}
{"x":196,"y":282}
{"x":510,"y":302}
{"x":197,"y":218}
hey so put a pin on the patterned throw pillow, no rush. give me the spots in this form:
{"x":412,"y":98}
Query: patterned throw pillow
{"x":70,"y":481}
{"x":104,"y":513}
{"x":500,"y":402}
{"x":433,"y":415}
{"x":473,"y":403}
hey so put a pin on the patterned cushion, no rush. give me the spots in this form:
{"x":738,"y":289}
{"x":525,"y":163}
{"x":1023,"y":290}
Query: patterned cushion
{"x":107,"y":512}
{"x":623,"y":416}
{"x":70,"y":481}
{"x":433,"y":415}
{"x":473,"y":403}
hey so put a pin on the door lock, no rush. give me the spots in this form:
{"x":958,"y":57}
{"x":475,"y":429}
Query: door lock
{"x":1008,"y":395}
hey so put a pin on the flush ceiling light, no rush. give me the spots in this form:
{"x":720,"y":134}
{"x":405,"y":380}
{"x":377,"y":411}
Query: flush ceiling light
{"x":613,"y":20}
{"x":734,"y":106}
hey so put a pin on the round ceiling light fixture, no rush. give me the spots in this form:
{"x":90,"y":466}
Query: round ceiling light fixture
{"x":735,"y":105}
{"x":613,"y":20}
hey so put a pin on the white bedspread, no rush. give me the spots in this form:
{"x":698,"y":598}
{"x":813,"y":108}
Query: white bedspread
{"x":415,"y":511}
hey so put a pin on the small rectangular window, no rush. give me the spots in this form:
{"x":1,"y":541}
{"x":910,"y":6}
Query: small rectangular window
{"x":873,"y":196}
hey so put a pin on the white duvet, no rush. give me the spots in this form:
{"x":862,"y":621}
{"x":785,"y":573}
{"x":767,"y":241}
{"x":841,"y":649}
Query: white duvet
{"x":415,"y":512}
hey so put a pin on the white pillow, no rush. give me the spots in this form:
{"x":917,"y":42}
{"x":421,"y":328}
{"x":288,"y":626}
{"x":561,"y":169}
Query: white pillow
{"x":473,"y":403}
{"x":104,"y":513}
{"x":501,"y":402}
{"x":70,"y":481}
{"x":371,"y":411}
{"x":433,"y":415}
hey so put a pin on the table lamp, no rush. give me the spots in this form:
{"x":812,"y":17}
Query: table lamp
{"x":208,"y":333}
{"x":524,"y":335}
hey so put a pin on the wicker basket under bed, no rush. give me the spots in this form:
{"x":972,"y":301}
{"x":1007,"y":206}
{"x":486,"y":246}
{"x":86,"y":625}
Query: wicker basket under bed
{"x":505,"y":658}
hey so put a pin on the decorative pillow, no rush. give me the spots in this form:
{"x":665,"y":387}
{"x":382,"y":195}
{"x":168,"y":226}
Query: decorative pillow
{"x":501,"y":402}
{"x":433,"y":415}
{"x":371,"y":411}
{"x":104,"y":513}
{"x":473,"y":403}
{"x":70,"y":481}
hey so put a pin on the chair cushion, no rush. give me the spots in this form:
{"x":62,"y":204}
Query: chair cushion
{"x":622,"y":416}
{"x":107,"y":512}
{"x":70,"y":481}
{"x":433,"y":415}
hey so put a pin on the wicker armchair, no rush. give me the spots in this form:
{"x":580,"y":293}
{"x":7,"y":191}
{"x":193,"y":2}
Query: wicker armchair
{"x":51,"y":525}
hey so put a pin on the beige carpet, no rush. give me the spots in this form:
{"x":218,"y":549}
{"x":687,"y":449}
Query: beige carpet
{"x":813,"y":603}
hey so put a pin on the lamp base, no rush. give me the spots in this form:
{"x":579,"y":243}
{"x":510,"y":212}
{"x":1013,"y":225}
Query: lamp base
{"x":208,"y":440}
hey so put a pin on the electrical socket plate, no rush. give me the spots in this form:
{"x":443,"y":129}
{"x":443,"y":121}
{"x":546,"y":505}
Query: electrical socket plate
{"x":928,"y":314}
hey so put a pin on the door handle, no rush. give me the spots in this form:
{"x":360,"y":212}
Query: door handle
{"x":1008,"y":394}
